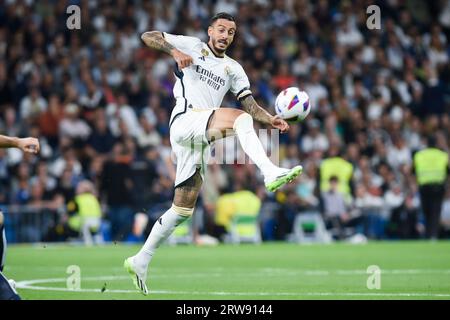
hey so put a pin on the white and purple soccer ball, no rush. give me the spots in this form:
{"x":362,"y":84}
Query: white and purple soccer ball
{"x":292,"y":104}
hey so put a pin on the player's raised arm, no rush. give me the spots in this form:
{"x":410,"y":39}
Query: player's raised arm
{"x":155,"y":40}
{"x":258,"y":113}
{"x":30,"y":145}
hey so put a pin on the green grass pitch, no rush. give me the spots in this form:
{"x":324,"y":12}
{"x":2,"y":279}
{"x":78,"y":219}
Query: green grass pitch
{"x":409,"y":270}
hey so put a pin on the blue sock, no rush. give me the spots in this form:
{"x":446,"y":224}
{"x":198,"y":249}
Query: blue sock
{"x":2,"y":242}
{"x":6,"y":291}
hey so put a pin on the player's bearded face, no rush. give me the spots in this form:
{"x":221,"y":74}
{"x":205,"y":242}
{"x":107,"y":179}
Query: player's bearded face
{"x":221,"y":34}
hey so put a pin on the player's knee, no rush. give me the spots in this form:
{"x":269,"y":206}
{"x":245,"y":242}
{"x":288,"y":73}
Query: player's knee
{"x":243,"y":121}
{"x":183,"y":211}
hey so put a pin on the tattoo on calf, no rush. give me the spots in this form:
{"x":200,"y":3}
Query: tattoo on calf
{"x":186,"y":193}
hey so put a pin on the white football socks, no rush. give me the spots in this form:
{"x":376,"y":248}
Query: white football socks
{"x":161,"y":230}
{"x":252,"y":146}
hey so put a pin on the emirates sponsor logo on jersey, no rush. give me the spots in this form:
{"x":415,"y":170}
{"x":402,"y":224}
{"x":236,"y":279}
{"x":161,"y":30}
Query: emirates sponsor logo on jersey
{"x":213,"y":80}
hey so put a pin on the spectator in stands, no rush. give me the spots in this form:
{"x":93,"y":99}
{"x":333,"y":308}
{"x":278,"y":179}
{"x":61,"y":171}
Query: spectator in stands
{"x":116,"y":185}
{"x":72,"y":126}
{"x":336,"y":211}
{"x":32,"y":105}
{"x":399,"y":154}
{"x":339,"y":168}
{"x":306,"y":188}
{"x":9,"y":124}
{"x":289,"y":207}
{"x":370,"y":207}
{"x":314,"y":140}
{"x":100,"y":141}
{"x":67,"y":160}
{"x":50,"y":119}
{"x":148,"y":136}
{"x":46,"y":180}
{"x":66,"y":184}
{"x":404,"y":220}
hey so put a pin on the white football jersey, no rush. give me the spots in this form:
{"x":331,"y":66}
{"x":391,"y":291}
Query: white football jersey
{"x":204,"y":83}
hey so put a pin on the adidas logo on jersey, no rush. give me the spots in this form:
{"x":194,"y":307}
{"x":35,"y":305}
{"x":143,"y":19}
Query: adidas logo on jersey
{"x":205,"y":53}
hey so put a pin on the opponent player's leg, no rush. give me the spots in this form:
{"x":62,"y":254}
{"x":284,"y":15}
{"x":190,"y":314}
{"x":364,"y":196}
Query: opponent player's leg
{"x":186,"y":195}
{"x":7,"y":292}
{"x":226,"y":121}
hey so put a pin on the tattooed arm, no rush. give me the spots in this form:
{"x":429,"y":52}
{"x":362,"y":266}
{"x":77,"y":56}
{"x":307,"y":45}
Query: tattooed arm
{"x":155,"y":40}
{"x":261,"y":115}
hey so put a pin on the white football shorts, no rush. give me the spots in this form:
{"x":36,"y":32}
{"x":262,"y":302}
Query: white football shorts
{"x":189,"y":142}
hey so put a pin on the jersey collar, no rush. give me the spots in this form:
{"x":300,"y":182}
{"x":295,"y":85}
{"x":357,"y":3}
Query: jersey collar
{"x":212,"y":51}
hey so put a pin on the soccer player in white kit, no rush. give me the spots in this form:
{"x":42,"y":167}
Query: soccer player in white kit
{"x":204,"y":75}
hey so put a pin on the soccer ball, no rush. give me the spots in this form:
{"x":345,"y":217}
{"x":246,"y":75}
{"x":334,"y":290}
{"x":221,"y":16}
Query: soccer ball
{"x":292,"y":104}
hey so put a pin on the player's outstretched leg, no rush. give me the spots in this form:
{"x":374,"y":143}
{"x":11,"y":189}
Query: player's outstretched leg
{"x":241,"y":123}
{"x":182,"y":208}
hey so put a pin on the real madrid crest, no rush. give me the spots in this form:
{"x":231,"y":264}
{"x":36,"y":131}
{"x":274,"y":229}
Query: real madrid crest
{"x":227,"y":70}
{"x":205,"y":52}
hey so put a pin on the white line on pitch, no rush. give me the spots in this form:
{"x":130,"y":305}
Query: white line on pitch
{"x":30,"y":285}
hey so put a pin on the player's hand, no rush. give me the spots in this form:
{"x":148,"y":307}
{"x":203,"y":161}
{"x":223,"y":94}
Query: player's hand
{"x":30,"y":145}
{"x":183,"y":60}
{"x":279,"y":123}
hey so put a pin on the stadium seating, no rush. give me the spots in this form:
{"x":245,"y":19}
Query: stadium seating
{"x":309,"y":227}
{"x":245,"y":228}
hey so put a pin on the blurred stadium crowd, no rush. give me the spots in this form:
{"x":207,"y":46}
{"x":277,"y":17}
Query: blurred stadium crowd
{"x":100,"y":102}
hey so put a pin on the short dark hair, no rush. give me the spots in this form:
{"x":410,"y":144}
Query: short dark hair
{"x":221,"y":15}
{"x":334,"y":179}
{"x":431,"y":141}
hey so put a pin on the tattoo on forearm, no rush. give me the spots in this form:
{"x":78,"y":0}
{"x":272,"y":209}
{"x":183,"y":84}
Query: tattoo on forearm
{"x":155,"y":40}
{"x":251,"y":106}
